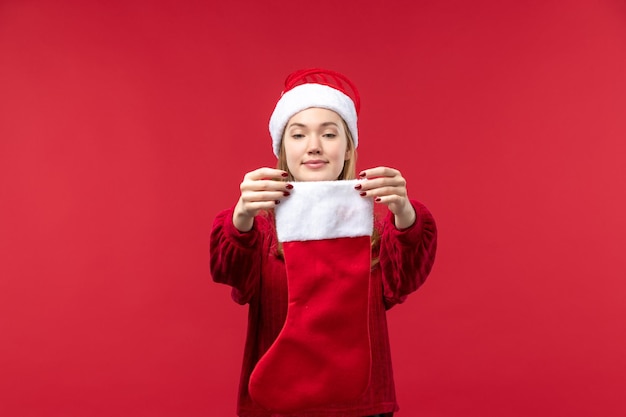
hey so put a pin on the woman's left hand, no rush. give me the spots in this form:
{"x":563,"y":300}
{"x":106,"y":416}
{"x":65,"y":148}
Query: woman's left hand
{"x":387,"y":186}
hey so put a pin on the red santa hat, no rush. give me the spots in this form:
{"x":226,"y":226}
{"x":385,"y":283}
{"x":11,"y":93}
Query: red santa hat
{"x":315,"y":87}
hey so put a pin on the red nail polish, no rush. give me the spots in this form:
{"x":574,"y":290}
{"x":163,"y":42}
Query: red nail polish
{"x":285,"y":174}
{"x":286,"y":193}
{"x":277,"y":202}
{"x":378,"y":199}
{"x":358,"y":187}
{"x":363,"y":194}
{"x":289,"y":186}
{"x":362,"y":174}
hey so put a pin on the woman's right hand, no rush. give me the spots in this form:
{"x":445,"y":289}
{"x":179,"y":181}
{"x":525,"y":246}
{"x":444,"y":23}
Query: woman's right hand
{"x":260,"y":190}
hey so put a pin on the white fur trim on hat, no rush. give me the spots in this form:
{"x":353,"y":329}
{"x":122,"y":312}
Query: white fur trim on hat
{"x":318,"y":210}
{"x":305,"y":96}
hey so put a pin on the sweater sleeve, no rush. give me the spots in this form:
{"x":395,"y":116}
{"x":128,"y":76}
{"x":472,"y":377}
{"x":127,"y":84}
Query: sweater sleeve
{"x":236,"y":257}
{"x":406,"y":256}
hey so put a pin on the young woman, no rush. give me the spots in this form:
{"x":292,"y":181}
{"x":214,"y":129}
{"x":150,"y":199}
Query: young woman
{"x":314,"y":135}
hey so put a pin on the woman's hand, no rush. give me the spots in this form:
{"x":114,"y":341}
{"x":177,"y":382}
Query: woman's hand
{"x":388,"y":187}
{"x":260,"y":190}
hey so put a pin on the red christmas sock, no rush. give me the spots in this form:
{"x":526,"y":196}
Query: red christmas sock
{"x":322,"y":354}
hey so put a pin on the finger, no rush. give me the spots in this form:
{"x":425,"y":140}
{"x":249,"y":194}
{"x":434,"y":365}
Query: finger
{"x":264,"y":185}
{"x":395,"y":203}
{"x":385,"y":199}
{"x":379,"y":172}
{"x":262,"y":205}
{"x":385,"y":192}
{"x":254,"y":197}
{"x":379,"y":182}
{"x":266,"y":173}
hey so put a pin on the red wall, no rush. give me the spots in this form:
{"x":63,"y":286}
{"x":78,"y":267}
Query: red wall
{"x":125,"y":129}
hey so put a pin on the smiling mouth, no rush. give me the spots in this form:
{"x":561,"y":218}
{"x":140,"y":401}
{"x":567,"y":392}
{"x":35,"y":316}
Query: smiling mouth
{"x":314,"y":164}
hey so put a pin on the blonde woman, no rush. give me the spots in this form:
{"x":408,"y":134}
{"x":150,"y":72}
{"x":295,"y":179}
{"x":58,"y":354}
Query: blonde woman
{"x":317,"y":342}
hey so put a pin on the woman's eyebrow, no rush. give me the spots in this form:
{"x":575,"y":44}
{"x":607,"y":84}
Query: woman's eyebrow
{"x":295,"y":124}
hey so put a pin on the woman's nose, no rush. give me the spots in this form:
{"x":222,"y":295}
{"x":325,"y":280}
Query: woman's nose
{"x":314,"y":145}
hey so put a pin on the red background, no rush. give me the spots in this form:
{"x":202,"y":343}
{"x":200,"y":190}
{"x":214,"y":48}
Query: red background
{"x":125,"y":128}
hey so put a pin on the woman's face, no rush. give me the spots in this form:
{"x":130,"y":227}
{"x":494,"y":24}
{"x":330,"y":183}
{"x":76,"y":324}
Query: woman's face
{"x":316,"y":145}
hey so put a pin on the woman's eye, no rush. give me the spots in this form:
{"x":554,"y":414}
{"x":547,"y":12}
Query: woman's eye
{"x":329,"y":135}
{"x":297,"y":136}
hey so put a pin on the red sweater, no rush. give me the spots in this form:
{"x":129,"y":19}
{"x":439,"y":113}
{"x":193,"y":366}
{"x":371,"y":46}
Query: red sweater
{"x":248,"y":262}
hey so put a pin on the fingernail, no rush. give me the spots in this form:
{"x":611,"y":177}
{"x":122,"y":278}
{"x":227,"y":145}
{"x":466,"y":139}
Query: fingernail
{"x":362,"y":174}
{"x":289,"y":186}
{"x":378,"y":199}
{"x":363,"y":194}
{"x":277,"y":202}
{"x":285,"y":174}
{"x":357,"y":187}
{"x":286,"y":193}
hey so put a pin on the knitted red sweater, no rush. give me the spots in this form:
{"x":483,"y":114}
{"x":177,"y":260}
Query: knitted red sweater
{"x":248,"y":262}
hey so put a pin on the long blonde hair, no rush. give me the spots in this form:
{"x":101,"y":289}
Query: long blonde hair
{"x":347,"y":173}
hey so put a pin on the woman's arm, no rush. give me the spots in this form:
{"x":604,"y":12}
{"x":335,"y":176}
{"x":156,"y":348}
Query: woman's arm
{"x":237,"y":239}
{"x":236,"y":257}
{"x":406,"y":255}
{"x":408,"y":237}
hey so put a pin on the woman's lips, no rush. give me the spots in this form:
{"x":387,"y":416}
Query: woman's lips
{"x":315,"y":164}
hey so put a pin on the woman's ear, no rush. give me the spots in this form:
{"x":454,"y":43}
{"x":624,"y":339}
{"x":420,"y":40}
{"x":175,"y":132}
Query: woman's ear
{"x":348,"y":151}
